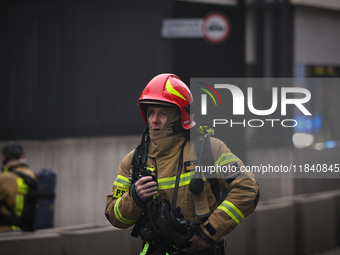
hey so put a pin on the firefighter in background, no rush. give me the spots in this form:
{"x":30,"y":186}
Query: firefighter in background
{"x":168,"y":211}
{"x":12,"y":188}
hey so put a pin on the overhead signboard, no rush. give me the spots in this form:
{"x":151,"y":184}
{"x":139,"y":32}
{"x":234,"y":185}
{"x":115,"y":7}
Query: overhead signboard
{"x":182,"y":28}
{"x":215,"y":28}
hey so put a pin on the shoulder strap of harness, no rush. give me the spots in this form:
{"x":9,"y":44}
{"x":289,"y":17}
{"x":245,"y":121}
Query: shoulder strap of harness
{"x":139,"y":157}
{"x":31,"y":182}
{"x":137,"y":163}
{"x":9,"y":220}
{"x":205,"y":157}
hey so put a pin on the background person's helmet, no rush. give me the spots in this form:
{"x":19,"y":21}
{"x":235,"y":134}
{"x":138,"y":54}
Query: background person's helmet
{"x":12,"y":150}
{"x":165,"y":89}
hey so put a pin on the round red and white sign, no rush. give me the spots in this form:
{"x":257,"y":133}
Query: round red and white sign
{"x":215,"y":27}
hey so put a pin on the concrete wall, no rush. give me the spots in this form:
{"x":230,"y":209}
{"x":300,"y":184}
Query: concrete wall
{"x":301,"y":224}
{"x":288,"y":184}
{"x":289,"y":225}
{"x":74,"y":240}
{"x":86,"y":169}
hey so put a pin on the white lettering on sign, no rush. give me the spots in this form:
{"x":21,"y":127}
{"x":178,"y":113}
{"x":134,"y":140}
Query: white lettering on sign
{"x":182,"y":28}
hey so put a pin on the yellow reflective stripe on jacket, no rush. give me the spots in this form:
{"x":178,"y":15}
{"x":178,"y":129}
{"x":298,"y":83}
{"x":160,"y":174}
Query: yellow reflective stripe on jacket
{"x":169,"y":183}
{"x":119,"y":215}
{"x":19,"y":199}
{"x":232,"y":211}
{"x":22,"y":186}
{"x":122,"y":182}
{"x":226,"y":158}
{"x":19,"y":204}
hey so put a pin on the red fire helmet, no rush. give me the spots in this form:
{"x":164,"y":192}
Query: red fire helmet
{"x":168,"y":89}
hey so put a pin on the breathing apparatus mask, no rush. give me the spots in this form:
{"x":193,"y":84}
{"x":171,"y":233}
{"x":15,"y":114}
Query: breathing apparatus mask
{"x":167,"y":224}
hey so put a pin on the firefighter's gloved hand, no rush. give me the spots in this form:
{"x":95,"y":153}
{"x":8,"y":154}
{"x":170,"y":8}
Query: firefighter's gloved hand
{"x":198,"y":242}
{"x":146,"y":188}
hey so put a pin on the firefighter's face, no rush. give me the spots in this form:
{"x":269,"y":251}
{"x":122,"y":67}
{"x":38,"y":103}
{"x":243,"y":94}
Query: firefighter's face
{"x":157,"y":118}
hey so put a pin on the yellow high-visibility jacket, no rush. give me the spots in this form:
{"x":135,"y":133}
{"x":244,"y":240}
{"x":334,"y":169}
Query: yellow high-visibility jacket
{"x":123,"y":211}
{"x":13,"y":190}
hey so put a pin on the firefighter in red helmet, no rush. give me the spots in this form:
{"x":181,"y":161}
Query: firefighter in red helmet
{"x":168,"y":89}
{"x":173,"y":209}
